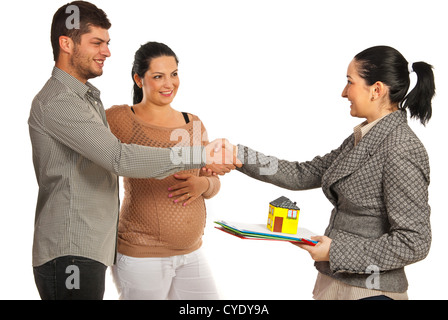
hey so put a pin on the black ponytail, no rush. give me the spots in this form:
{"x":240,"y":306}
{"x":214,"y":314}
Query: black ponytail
{"x":142,"y":60}
{"x":386,"y":64}
{"x":418,"y":101}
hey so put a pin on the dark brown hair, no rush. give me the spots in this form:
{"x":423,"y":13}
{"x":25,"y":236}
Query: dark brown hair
{"x":62,"y":25}
{"x":142,"y":61}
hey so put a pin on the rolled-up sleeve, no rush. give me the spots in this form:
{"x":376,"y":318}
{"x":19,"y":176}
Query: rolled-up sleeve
{"x":76,"y":126}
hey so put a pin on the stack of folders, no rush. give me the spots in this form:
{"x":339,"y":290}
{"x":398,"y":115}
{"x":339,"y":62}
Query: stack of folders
{"x":261,"y":232}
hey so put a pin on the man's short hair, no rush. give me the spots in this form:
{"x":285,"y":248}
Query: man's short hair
{"x":73,"y":20}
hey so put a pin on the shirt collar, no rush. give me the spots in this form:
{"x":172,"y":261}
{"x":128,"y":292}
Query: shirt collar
{"x":361,"y":129}
{"x":74,"y":84}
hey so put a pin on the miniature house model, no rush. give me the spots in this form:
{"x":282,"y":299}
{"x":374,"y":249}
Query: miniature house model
{"x":283,"y":216}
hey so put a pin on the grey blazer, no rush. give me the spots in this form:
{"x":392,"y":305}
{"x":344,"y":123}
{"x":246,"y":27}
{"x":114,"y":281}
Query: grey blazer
{"x":379,"y":189}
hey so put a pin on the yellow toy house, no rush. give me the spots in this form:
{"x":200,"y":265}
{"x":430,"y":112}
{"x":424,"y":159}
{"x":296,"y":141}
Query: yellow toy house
{"x":283,"y":216}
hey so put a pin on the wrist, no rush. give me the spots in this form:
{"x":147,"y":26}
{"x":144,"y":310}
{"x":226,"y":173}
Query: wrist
{"x":205,"y":183}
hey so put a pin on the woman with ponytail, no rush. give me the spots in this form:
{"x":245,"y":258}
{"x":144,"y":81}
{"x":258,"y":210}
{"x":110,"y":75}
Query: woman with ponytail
{"x":385,"y":64}
{"x":377,"y":181}
{"x":161,"y":221}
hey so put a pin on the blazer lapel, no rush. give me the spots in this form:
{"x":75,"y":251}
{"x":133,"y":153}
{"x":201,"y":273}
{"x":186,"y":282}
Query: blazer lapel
{"x":353,"y":157}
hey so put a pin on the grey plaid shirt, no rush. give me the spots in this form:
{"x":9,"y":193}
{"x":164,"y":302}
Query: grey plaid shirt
{"x":77,"y":161}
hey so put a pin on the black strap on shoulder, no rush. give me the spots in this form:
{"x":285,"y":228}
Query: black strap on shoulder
{"x":187,"y":119}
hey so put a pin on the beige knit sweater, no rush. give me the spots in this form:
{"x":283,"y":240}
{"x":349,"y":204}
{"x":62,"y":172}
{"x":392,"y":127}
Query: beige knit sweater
{"x":151,"y":224}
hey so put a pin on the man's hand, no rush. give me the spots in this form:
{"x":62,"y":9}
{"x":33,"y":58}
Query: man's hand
{"x":221,"y":157}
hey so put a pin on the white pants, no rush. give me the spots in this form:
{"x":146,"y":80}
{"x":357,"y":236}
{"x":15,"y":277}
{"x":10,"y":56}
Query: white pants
{"x":184,"y":277}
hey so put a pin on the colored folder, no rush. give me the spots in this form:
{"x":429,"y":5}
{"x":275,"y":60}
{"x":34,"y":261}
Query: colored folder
{"x":261,"y":232}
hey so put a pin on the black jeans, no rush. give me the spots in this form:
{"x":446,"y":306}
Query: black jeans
{"x":71,"y":278}
{"x":380,"y":297}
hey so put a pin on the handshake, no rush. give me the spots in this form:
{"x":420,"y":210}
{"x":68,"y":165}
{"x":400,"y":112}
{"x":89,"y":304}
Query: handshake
{"x":221,"y":157}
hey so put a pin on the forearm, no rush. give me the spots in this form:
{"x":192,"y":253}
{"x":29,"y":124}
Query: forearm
{"x":146,"y":162}
{"x":350,"y":253}
{"x":214,"y":185}
{"x":282,"y":173}
{"x":88,"y":136}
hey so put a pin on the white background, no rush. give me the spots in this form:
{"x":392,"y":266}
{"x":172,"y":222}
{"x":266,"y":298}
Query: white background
{"x":267,"y":74}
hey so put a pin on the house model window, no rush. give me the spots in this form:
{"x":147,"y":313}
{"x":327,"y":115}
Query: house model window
{"x":292,"y":214}
{"x":283,"y":216}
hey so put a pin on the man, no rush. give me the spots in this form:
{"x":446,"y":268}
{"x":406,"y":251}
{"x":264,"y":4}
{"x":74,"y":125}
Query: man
{"x":78,"y":160}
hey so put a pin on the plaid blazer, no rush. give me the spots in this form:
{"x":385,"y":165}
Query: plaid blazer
{"x":379,"y":189}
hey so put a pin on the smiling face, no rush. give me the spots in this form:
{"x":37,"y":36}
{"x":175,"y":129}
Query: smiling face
{"x":367,"y":101}
{"x":358,"y":93}
{"x":160,"y":82}
{"x":88,"y":57}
